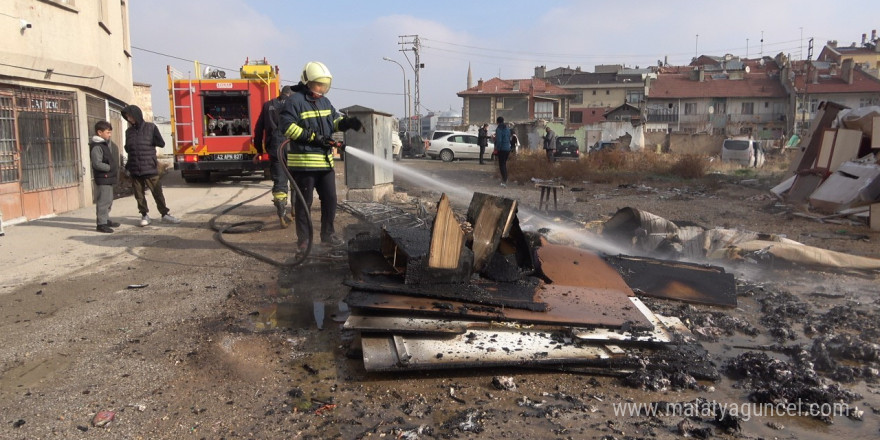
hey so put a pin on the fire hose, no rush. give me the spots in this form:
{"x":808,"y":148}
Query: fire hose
{"x":257,"y":225}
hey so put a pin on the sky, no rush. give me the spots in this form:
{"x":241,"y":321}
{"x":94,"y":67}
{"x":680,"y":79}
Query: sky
{"x":505,"y":39}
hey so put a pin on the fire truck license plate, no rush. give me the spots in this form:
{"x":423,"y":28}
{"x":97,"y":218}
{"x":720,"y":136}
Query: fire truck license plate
{"x":238,"y":156}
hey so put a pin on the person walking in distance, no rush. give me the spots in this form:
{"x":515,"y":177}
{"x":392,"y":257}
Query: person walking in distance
{"x":483,"y":140}
{"x":502,"y":144}
{"x":141,"y":140}
{"x":104,"y":155}
{"x":550,"y":143}
{"x":267,"y":122}
{"x":308,"y":119}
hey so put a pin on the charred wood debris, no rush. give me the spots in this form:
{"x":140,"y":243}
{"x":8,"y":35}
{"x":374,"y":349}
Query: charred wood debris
{"x":480,"y":291}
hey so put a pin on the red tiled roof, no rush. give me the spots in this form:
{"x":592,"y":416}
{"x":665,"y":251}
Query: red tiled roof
{"x":827,"y":83}
{"x":753,"y":85}
{"x":531,"y":87}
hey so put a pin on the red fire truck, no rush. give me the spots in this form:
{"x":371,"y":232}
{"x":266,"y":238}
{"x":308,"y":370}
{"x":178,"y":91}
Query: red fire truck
{"x":213,"y":119}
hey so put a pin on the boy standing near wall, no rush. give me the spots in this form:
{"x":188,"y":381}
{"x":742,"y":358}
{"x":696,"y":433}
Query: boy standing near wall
{"x":104,"y":156}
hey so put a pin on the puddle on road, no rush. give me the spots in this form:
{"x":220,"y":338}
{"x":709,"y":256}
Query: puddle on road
{"x":298,"y":315}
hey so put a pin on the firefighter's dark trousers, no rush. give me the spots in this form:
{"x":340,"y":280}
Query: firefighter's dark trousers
{"x":325,"y":183}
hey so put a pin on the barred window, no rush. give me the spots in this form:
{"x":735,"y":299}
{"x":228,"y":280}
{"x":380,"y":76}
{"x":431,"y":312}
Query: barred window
{"x":48,"y":138}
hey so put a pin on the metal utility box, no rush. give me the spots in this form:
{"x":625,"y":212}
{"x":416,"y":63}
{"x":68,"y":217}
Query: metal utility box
{"x":375,"y":140}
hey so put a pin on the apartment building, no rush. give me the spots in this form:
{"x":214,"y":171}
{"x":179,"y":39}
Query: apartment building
{"x":66,"y":65}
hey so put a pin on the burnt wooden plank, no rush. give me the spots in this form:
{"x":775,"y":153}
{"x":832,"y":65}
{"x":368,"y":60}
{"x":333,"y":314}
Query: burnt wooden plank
{"x":447,"y":238}
{"x":688,"y":282}
{"x":520,"y":295}
{"x":572,"y":266}
{"x":569,"y":305}
{"x":491,"y":217}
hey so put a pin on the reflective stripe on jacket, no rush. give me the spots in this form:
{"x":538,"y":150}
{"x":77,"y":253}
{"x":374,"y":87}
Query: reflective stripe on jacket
{"x":301,"y":119}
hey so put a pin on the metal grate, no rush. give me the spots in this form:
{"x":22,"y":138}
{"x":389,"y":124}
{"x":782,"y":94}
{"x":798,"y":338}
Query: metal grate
{"x":383,"y":214}
{"x":8,"y":150}
{"x":48,"y":138}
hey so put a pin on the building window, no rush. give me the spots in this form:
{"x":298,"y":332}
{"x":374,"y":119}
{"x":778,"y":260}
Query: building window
{"x":690,"y":108}
{"x":594,"y":93}
{"x":499,"y":103}
{"x":578,"y":98}
{"x":103,"y":16}
{"x":126,"y":41}
{"x":635,"y":96}
{"x":607,"y":92}
{"x":8,"y":151}
{"x":544,"y":110}
{"x":748,"y":108}
{"x":576,"y":117}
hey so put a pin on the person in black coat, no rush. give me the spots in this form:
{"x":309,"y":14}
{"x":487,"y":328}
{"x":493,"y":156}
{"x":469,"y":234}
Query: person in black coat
{"x":267,"y":122}
{"x":483,"y":140}
{"x":141,"y":140}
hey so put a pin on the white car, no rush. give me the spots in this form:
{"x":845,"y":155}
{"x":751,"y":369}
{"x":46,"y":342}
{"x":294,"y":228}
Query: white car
{"x":455,"y":145}
{"x":744,"y":151}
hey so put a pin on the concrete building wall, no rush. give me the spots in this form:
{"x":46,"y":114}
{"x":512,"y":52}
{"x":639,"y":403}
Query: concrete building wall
{"x":98,"y":58}
{"x":61,"y":46}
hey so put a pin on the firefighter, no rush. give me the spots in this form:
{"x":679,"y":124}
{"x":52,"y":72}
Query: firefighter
{"x":308,"y":120}
{"x":267,"y":122}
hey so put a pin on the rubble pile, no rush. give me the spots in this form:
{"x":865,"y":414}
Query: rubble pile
{"x":777,"y":382}
{"x":478,"y":291}
{"x":836,"y":170}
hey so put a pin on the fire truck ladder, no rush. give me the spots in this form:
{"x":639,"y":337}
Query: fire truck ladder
{"x":173,"y":75}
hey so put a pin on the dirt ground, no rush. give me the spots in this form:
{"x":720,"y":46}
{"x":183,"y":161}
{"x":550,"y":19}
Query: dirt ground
{"x":191,"y":340}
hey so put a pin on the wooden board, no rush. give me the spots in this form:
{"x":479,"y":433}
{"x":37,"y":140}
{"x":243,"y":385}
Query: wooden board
{"x":688,"y":282}
{"x":826,"y":148}
{"x":572,"y":266}
{"x":491,"y":217}
{"x":846,"y":148}
{"x":517,"y":295}
{"x":408,"y":324}
{"x":578,"y":306}
{"x":447,"y":238}
{"x":825,"y":115}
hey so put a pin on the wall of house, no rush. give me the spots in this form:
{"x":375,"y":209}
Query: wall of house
{"x":479,"y":110}
{"x":98,"y":58}
{"x":515,"y":109}
{"x":708,"y":144}
{"x":604,"y":97}
{"x":43,"y":60}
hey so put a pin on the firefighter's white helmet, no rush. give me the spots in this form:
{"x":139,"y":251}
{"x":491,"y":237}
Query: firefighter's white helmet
{"x":316,"y":71}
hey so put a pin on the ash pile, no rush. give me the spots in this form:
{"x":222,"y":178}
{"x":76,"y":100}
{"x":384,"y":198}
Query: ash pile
{"x":479,"y":291}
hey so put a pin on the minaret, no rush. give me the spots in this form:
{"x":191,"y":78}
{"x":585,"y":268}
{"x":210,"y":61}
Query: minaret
{"x":470,"y":80}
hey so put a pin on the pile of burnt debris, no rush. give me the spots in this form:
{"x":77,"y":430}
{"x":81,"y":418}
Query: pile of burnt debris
{"x":479,"y":291}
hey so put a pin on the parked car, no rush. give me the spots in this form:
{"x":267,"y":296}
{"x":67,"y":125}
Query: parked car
{"x":567,"y":148}
{"x":454,"y":145}
{"x":440,"y":133}
{"x":744,"y":151}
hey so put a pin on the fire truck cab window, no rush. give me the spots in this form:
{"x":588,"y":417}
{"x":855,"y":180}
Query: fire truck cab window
{"x":226,"y":114}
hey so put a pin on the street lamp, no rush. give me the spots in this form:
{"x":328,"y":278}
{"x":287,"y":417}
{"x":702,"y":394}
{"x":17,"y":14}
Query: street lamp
{"x":405,"y":96}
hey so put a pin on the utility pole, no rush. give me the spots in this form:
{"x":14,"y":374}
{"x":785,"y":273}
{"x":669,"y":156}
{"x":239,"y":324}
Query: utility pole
{"x":809,"y":66}
{"x":411,"y":43}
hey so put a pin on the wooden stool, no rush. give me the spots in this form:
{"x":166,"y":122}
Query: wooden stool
{"x":546,"y":188}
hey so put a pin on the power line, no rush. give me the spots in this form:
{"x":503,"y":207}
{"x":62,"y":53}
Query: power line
{"x":370,"y":92}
